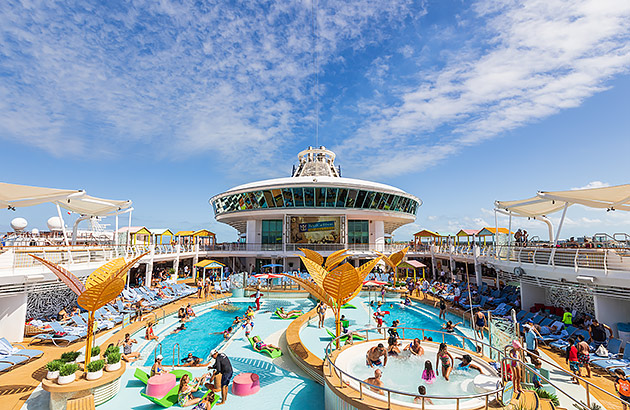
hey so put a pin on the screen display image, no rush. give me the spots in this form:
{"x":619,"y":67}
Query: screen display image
{"x":315,"y":229}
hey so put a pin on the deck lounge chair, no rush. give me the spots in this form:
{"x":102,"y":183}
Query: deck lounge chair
{"x":273,"y":353}
{"x":614,"y":347}
{"x":608,"y":364}
{"x":62,"y":334}
{"x":8,"y":349}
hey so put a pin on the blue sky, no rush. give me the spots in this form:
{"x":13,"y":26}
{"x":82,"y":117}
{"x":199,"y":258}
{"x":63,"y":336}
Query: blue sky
{"x":461,"y":103}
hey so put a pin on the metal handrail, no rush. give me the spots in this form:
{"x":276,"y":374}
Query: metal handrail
{"x":341,"y":374}
{"x":586,"y":382}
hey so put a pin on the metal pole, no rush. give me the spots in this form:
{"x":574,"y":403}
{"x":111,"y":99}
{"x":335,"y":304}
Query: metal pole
{"x":63,"y":231}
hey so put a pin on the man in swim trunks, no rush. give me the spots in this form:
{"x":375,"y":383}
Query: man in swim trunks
{"x":373,"y":356}
{"x":376,"y":381}
{"x":221,"y":376}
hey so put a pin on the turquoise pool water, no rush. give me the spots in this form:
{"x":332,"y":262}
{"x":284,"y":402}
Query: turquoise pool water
{"x":199,"y":337}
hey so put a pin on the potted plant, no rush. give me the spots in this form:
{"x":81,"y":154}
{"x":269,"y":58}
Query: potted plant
{"x":70,"y":357}
{"x":53,"y":369}
{"x":113,"y":361}
{"x":96,"y":351}
{"x":95,"y":369}
{"x":67,"y":373}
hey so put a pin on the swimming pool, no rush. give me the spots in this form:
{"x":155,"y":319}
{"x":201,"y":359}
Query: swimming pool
{"x":202,"y":333}
{"x":404,"y":373}
{"x":199,"y":337}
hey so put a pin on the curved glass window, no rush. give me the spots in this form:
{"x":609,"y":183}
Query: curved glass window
{"x":310,"y":197}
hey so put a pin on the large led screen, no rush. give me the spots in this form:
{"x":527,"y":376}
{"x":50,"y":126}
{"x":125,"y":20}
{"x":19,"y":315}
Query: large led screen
{"x":315,"y":229}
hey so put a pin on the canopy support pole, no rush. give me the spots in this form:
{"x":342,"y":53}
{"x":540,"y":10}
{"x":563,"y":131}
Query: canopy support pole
{"x":129,"y":233}
{"x":564,"y":212}
{"x":75,"y":228}
{"x":63,"y":231}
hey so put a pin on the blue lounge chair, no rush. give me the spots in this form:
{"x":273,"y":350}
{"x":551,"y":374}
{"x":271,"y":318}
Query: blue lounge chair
{"x":521,"y":314}
{"x":5,"y":366}
{"x":537,"y":319}
{"x":562,"y":344}
{"x":608,"y":364}
{"x":57,"y":337}
{"x":614,"y":347}
{"x":524,"y":319}
{"x":28,"y":353}
{"x":546,"y":322}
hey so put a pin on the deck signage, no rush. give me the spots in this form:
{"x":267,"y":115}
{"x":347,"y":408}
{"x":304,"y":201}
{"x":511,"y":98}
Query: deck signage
{"x":315,"y":229}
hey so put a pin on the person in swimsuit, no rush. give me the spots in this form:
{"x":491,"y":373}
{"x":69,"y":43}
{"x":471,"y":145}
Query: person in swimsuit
{"x":157,"y":366}
{"x":373,"y":356}
{"x":446,"y":359}
{"x":428,"y":375}
{"x":186,"y":389}
{"x":259,"y":345}
{"x":392,"y":348}
{"x":442,"y":304}
{"x":393,"y":330}
{"x":148,"y":334}
{"x":422,"y":391}
{"x":189,"y":311}
{"x":480,"y":323}
{"x":376,"y":381}
{"x":287,"y":315}
{"x":179,"y":329}
{"x":383,"y":294}
{"x":584,"y":354}
{"x":206,"y":402}
{"x":128,"y":355}
{"x":450,"y":327}
{"x":415,"y":348}
{"x":515,"y":353}
{"x":467,"y":364}
{"x":321,"y":313}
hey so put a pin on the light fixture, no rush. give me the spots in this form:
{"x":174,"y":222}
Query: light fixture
{"x":587,"y":279}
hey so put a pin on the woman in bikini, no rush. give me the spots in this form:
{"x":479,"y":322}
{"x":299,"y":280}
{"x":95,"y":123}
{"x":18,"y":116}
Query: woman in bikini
{"x":446,"y":359}
{"x":148,"y":334}
{"x":186,"y":389}
{"x":259,"y":345}
{"x":321,"y":313}
{"x":287,"y":315}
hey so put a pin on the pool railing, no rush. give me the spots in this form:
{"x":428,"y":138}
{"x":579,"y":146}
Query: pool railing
{"x":330,"y":348}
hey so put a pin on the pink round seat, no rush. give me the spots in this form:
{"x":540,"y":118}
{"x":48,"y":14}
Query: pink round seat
{"x":245,"y":384}
{"x":160,"y":384}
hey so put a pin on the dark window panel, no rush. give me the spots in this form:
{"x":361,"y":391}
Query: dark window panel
{"x":269,"y":198}
{"x":320,"y":197}
{"x":352,"y":198}
{"x":376,"y":200}
{"x":260,"y":198}
{"x":309,"y":197}
{"x":331,"y":197}
{"x":298,"y":197}
{"x":288,"y":197}
{"x":369,"y":199}
{"x":360,"y":199}
{"x":341,"y":197}
{"x":384,"y":198}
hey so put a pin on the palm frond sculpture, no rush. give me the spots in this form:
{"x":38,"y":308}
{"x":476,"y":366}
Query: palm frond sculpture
{"x":333,"y":282}
{"x":394,"y":260}
{"x":101,"y":287}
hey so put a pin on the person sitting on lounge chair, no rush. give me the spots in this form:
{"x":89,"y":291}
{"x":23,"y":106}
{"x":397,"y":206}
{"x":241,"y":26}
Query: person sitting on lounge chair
{"x":287,"y":315}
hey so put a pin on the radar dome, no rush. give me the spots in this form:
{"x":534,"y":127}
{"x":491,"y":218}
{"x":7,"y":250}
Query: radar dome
{"x":19,"y":224}
{"x":35,"y":231}
{"x":54,"y":223}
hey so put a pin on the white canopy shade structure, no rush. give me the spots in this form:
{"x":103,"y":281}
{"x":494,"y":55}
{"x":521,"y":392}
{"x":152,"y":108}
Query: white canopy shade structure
{"x":74,"y":200}
{"x":547,"y":202}
{"x":14,"y":196}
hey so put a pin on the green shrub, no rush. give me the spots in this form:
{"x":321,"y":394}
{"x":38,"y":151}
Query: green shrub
{"x":95,"y":366}
{"x":54,"y":365}
{"x":544,"y":394}
{"x":96,"y":350}
{"x":69,"y":356}
{"x":111,"y":349}
{"x":68,"y":369}
{"x":113,"y":357}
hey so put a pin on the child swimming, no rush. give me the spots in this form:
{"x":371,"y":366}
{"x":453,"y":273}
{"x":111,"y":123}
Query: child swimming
{"x":428,"y":375}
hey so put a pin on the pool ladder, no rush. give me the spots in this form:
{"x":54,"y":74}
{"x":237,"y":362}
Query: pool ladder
{"x":156,"y":348}
{"x":176,"y":345}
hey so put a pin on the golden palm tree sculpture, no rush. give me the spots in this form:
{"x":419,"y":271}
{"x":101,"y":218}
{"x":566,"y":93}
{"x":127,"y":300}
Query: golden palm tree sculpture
{"x":101,"y":287}
{"x":333,"y":282}
{"x":394,"y":260}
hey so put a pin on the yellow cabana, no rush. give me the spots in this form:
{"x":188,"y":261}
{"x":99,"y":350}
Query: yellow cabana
{"x":161,"y":233}
{"x":412,"y":265}
{"x":209,"y":264}
{"x":425,"y":233}
{"x":139,"y":235}
{"x":202,"y":236}
{"x":487,"y":231}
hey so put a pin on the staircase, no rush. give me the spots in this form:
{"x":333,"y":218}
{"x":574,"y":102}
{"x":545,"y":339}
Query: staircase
{"x":529,"y":400}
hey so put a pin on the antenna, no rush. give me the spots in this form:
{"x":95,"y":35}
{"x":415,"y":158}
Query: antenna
{"x":316,"y":57}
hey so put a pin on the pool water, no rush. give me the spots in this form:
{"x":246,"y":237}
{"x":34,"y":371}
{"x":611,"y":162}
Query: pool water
{"x":423,"y":317}
{"x":199,"y":337}
{"x":404,"y":373}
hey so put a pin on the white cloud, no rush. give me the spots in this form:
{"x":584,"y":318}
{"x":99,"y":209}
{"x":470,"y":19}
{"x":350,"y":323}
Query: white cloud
{"x":540,"y":57}
{"x":593,"y":184}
